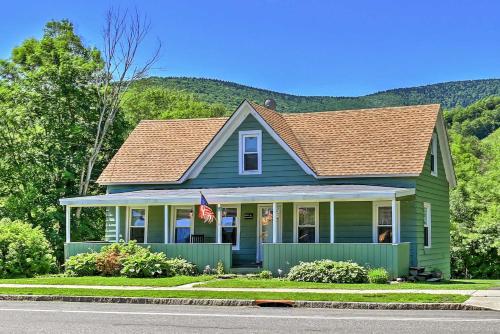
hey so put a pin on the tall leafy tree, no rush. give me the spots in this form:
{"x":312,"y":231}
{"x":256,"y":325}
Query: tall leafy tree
{"x":48,"y":105}
{"x":475,"y":210}
{"x":163,"y":103}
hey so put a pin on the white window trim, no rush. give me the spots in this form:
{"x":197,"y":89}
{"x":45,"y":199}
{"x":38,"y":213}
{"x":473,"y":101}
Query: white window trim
{"x":129,"y":217}
{"x":428,"y":213}
{"x":173,"y":211}
{"x":434,"y":152}
{"x":382,"y":204}
{"x":296,"y":206}
{"x":280,"y":225}
{"x":242,"y":135}
{"x":238,"y":225}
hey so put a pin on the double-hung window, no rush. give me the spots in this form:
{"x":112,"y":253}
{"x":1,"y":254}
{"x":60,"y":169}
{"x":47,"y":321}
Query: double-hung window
{"x":306,"y":223}
{"x":250,"y":152}
{"x":137,"y":225}
{"x":434,"y":156}
{"x":427,"y":225}
{"x":230,"y":226}
{"x":183,"y":224}
{"x":384,"y":224}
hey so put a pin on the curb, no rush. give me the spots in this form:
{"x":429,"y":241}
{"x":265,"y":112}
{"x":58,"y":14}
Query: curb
{"x":243,"y":302}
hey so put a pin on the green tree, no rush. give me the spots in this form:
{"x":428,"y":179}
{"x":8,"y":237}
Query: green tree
{"x":475,"y":209}
{"x":48,"y":109}
{"x":161,"y":103}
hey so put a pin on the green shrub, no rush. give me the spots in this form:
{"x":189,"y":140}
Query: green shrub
{"x":130,"y":260}
{"x":378,"y":276}
{"x":328,"y":271}
{"x":178,"y":266}
{"x":24,"y":250}
{"x":81,"y":265}
{"x":145,"y":264}
{"x":265,"y":274}
{"x":109,"y":261}
{"x":220,"y":268}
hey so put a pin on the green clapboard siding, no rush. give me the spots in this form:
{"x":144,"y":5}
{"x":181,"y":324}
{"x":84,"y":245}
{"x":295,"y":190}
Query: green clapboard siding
{"x":199,"y":254}
{"x":110,"y":231}
{"x":393,"y":257}
{"x":433,"y":190}
{"x":353,"y":222}
{"x":156,"y":223}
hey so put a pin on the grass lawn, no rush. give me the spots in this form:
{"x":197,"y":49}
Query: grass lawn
{"x":99,"y":280}
{"x":278,"y":283}
{"x":379,"y":297}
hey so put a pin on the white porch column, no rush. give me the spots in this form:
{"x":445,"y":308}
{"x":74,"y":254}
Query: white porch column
{"x":165,"y":224}
{"x":218,"y":224}
{"x":68,"y":222}
{"x":275,"y":222}
{"x":117,"y":222}
{"x":394,"y":212}
{"x":332,"y":222}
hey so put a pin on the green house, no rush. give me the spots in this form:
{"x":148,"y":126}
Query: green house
{"x":366,"y":185}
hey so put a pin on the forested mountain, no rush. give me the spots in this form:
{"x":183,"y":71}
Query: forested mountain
{"x":229,"y":94}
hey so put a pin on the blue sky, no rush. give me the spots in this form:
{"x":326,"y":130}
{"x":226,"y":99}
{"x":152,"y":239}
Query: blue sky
{"x":302,"y":47}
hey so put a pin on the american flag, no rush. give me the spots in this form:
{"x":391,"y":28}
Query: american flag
{"x":205,"y":212}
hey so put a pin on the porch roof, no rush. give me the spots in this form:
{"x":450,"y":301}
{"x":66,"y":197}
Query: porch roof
{"x":297,"y":193}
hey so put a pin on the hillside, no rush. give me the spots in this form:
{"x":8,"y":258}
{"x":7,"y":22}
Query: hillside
{"x":229,"y":94}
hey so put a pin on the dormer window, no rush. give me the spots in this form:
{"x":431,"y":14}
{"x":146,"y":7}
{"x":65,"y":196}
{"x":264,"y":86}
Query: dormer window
{"x":250,"y":152}
{"x":434,"y":167}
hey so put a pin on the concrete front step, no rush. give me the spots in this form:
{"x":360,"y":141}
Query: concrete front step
{"x":246,"y":270}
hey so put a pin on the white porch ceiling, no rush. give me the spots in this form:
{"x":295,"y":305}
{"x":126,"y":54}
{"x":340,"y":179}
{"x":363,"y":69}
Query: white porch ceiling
{"x":307,"y":193}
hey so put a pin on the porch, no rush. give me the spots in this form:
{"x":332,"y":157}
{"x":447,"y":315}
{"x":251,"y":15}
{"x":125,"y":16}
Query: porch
{"x":339,"y":222}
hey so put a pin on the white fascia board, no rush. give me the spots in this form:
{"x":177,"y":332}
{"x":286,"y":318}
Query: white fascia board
{"x":357,"y":176}
{"x":444,"y":147}
{"x":227,"y":130}
{"x":235,"y":198}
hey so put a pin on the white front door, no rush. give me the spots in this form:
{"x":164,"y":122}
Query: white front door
{"x":265,"y":227}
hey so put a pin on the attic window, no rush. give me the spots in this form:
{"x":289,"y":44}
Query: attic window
{"x":434,"y":155}
{"x":250,"y":152}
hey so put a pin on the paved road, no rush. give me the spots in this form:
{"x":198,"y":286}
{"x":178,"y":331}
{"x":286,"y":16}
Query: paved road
{"x":57,"y":317}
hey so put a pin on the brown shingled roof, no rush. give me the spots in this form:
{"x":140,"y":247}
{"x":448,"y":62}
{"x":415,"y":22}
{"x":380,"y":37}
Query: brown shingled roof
{"x":160,"y":151}
{"x":379,"y":141}
{"x":366,"y":141}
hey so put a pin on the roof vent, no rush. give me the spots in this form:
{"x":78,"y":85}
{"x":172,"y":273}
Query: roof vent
{"x":270,"y":104}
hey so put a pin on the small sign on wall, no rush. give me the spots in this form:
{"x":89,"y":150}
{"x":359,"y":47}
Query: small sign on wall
{"x":248,"y":215}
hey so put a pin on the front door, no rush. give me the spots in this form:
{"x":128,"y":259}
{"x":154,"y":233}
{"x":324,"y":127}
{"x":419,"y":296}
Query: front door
{"x":265,"y":227}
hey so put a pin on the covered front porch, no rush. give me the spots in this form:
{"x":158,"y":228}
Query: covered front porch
{"x":340,"y":222}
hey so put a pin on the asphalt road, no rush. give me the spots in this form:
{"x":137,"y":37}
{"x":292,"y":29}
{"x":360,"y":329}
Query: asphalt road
{"x":57,"y":317}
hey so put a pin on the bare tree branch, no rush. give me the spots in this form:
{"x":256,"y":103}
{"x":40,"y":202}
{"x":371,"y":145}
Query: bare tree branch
{"x":124,"y":33}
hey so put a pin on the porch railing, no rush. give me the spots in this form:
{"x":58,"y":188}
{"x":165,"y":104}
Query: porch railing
{"x":395,"y":258}
{"x":199,"y":254}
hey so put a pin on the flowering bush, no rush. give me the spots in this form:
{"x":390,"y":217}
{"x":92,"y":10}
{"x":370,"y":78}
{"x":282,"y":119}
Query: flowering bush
{"x":328,"y":271}
{"x":178,"y":266}
{"x":145,"y":264}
